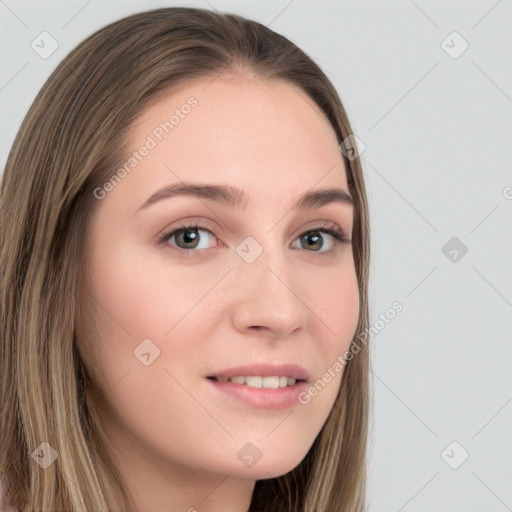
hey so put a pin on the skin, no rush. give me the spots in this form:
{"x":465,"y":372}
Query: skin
{"x":173,"y":436}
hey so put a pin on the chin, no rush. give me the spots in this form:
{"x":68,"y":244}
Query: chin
{"x":270,"y":465}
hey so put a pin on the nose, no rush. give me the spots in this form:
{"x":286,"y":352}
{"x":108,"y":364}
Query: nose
{"x":267,"y":298}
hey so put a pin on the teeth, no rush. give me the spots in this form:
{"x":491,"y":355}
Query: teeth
{"x":255,"y":381}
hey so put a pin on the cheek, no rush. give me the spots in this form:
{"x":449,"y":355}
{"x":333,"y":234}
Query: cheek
{"x":334,"y":301}
{"x":138,"y":297}
{"x":143,"y":293}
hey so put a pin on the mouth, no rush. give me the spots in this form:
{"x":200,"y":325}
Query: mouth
{"x":259,"y":381}
{"x":270,"y":391}
{"x":263,"y":375}
{"x":262,"y":385}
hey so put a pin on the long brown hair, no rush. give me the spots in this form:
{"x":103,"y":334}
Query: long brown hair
{"x":70,"y":142}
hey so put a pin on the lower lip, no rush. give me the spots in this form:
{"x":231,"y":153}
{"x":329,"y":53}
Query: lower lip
{"x":262,"y":398}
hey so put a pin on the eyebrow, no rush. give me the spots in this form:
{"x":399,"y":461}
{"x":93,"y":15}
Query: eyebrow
{"x":236,"y":197}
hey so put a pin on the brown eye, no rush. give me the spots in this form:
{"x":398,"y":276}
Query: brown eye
{"x":188,"y":237}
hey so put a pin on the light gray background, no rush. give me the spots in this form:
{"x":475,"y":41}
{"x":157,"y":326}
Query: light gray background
{"x":438,"y":164}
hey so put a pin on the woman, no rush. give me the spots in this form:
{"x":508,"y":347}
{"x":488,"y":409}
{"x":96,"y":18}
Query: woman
{"x":141,"y":370}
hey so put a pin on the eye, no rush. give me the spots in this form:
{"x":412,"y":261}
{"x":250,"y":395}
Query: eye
{"x":187,"y":240}
{"x":313,"y":239}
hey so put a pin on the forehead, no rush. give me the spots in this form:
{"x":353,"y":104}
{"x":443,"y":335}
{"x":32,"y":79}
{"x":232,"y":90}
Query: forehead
{"x":245,"y":131}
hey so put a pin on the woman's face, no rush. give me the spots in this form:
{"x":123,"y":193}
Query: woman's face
{"x":258,"y":285}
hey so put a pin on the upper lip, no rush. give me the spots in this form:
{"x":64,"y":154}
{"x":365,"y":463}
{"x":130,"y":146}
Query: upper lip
{"x":293,"y":370}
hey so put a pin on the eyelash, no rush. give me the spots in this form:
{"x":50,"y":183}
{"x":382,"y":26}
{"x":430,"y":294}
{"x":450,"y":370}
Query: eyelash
{"x":328,"y":228}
